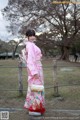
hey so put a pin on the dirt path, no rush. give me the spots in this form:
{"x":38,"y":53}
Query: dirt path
{"x":51,"y":114}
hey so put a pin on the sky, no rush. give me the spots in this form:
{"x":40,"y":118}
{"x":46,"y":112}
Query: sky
{"x":4,"y":35}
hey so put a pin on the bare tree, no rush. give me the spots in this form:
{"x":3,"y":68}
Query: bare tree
{"x":62,"y":19}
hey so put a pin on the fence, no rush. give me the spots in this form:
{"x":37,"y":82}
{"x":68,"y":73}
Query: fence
{"x":54,"y":77}
{"x":55,"y":82}
{"x":53,"y":70}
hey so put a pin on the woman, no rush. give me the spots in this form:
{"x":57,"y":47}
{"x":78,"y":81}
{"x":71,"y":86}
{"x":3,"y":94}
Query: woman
{"x":34,"y":102}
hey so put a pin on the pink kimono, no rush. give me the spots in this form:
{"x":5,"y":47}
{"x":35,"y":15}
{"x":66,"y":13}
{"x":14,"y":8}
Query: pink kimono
{"x":34,"y":100}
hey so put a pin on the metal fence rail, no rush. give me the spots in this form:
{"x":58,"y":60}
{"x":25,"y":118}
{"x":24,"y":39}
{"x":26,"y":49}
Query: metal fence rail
{"x":54,"y":68}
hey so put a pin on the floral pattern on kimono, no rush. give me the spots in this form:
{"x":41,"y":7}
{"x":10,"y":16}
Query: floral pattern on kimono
{"x":34,"y":66}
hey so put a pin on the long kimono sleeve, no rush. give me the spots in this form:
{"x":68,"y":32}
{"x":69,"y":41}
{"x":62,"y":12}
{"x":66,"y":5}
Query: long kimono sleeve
{"x":31,"y":59}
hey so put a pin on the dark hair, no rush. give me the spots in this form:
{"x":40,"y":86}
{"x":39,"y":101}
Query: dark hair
{"x":30,"y":32}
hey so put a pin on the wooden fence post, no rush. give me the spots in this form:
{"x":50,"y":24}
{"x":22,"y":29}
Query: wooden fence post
{"x":20,"y":78}
{"x":55,"y":82}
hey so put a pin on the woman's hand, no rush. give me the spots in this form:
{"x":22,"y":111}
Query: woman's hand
{"x":36,"y":76}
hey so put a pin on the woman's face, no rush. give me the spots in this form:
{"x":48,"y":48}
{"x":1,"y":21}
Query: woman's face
{"x":32,"y":38}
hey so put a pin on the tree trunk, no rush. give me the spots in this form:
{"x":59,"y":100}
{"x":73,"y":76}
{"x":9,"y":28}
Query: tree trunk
{"x":13,"y":56}
{"x":65,"y":53}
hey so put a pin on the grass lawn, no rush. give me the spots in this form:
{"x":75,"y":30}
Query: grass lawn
{"x":67,"y":74}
